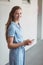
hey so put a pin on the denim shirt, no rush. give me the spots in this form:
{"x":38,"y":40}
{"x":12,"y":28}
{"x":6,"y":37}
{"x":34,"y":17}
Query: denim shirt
{"x":17,"y":54}
{"x":16,"y":31}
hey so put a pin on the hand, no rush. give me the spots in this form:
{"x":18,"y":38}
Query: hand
{"x":31,"y":42}
{"x":27,"y":42}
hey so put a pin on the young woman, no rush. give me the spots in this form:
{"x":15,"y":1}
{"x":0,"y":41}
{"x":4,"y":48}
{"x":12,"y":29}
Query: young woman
{"x":14,"y":37}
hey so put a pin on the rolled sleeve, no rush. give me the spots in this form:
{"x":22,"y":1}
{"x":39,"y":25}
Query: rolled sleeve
{"x":11,"y":31}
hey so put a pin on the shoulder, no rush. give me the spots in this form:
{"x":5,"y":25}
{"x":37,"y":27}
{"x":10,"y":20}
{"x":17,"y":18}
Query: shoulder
{"x":12,"y":26}
{"x":11,"y":30}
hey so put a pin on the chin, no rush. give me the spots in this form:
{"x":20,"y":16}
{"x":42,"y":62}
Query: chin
{"x":18,"y":19}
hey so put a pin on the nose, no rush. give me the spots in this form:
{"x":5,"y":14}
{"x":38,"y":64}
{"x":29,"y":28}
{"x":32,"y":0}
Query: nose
{"x":19,"y":15}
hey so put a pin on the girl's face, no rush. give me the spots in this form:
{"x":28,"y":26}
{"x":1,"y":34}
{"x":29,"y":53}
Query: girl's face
{"x":18,"y":15}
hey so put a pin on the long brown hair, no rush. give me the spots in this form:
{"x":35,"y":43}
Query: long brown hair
{"x":11,"y":18}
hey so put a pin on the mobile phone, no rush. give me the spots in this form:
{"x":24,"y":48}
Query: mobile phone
{"x":32,"y":39}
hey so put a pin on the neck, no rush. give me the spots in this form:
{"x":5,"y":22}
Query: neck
{"x":16,"y":21}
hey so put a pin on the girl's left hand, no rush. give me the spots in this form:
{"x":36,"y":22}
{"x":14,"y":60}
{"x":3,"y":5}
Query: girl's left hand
{"x":31,"y":41}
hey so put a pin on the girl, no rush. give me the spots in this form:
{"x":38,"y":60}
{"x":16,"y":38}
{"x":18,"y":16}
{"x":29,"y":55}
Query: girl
{"x":14,"y":37}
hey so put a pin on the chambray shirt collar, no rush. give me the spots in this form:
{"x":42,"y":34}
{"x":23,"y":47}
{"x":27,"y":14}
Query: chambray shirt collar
{"x":17,"y":25}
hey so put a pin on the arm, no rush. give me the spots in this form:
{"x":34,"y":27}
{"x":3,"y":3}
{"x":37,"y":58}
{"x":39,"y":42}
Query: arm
{"x":14,"y":45}
{"x":11,"y":34}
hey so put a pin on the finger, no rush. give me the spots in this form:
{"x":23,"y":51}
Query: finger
{"x":30,"y":43}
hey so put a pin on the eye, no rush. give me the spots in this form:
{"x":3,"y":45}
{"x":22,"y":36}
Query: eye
{"x":20,"y":13}
{"x":16,"y":13}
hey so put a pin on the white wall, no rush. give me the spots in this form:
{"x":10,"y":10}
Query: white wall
{"x":29,"y":24}
{"x":42,"y":21}
{"x":29,"y":21}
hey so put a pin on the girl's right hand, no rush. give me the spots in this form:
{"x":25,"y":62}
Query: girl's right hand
{"x":27,"y":42}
